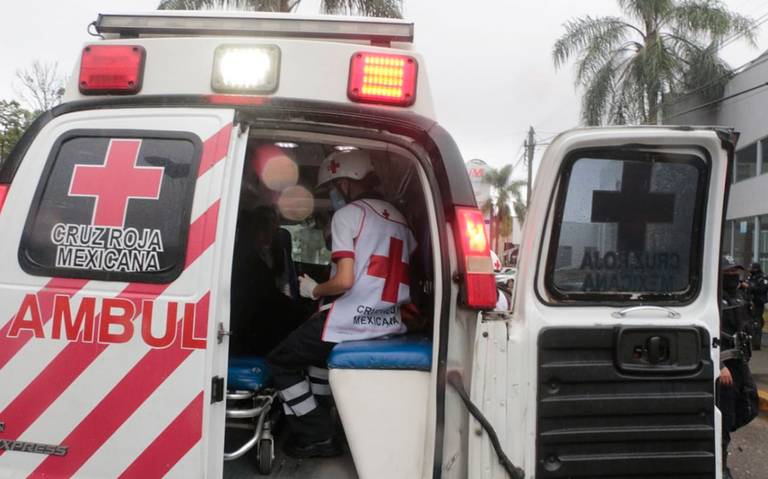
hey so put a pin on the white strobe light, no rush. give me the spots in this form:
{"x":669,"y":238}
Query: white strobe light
{"x":246,"y":68}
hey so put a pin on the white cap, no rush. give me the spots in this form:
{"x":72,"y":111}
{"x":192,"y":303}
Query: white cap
{"x":355,"y":164}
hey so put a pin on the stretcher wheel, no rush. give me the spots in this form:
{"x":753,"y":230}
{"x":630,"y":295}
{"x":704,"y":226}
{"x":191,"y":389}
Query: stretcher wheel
{"x":266,"y":456}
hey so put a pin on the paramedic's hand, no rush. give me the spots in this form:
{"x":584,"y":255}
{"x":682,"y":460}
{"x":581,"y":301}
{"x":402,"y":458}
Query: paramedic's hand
{"x":725,"y":377}
{"x":307,"y":287}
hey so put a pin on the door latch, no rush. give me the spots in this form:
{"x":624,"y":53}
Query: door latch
{"x":217,"y":389}
{"x":222,"y":333}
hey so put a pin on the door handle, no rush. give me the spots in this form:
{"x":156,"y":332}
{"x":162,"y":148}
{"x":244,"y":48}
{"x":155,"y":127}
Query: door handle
{"x":222,"y":333}
{"x":671,"y":314}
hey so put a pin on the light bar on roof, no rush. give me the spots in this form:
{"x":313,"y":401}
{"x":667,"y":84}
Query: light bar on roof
{"x":376,"y":31}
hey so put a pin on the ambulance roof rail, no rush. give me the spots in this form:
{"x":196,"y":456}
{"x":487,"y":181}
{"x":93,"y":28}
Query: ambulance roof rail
{"x":379,"y":31}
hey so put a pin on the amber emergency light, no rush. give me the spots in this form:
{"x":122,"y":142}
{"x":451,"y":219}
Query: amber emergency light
{"x":382,"y":78}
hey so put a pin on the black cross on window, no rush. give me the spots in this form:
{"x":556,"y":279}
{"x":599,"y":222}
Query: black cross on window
{"x":633,"y":207}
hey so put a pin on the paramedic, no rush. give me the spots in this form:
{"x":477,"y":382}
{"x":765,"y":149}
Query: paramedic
{"x":735,"y":384}
{"x":371,"y":248}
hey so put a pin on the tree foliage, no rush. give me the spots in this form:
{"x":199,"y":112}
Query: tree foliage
{"x":369,"y":8}
{"x":629,"y":66}
{"x":506,"y":192}
{"x":42,"y":87}
{"x":13,"y":121}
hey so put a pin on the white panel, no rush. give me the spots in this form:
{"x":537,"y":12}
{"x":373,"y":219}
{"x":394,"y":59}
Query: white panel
{"x":79,"y":398}
{"x":742,"y":201}
{"x":138,"y":432}
{"x":85,"y":393}
{"x":531,"y":315}
{"x":385,"y":417}
{"x":189,"y":466}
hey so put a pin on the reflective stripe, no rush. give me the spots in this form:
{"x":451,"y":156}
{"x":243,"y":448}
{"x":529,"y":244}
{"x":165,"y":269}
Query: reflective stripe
{"x":304,"y":407}
{"x":325,"y":307}
{"x":287,"y":410}
{"x":295,"y":391}
{"x":321,"y":389}
{"x":316,"y":372}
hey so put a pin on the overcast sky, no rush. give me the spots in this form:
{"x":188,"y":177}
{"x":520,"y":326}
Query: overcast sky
{"x":489,"y":62}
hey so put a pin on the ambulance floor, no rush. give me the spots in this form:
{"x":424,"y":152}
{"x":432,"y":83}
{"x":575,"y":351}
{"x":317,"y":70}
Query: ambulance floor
{"x":285,"y":467}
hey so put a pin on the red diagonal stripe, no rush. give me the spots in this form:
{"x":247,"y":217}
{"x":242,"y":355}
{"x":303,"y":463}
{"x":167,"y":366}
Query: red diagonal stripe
{"x":215,"y":149}
{"x":66,"y":286}
{"x":115,"y":408}
{"x":77,"y":356}
{"x":171,"y":445}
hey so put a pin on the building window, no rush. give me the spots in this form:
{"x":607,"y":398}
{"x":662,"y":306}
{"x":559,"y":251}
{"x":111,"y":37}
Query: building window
{"x":764,"y":156}
{"x":746,"y":163}
{"x":762,"y":252}
{"x":744,"y":240}
{"x":727,"y":238}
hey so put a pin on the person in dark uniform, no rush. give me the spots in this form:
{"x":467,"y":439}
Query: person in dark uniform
{"x":735,"y":377}
{"x":757,"y":289}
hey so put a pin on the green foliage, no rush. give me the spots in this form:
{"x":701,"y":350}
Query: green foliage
{"x":13,"y":121}
{"x":629,"y":66}
{"x":369,"y":8}
{"x":506,"y":191}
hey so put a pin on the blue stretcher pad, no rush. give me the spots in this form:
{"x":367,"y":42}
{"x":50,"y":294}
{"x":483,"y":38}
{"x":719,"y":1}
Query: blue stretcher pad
{"x":398,"y":352}
{"x":247,"y":373}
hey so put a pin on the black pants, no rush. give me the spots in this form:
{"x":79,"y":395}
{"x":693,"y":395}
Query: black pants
{"x":303,"y":353}
{"x":757,"y":334}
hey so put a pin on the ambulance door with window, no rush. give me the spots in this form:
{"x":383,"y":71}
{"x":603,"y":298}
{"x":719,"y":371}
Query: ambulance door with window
{"x":609,"y":356}
{"x":115,"y":262}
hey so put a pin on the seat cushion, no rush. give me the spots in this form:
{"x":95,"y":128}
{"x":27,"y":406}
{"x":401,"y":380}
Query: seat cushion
{"x":248,"y":373}
{"x":397,"y":352}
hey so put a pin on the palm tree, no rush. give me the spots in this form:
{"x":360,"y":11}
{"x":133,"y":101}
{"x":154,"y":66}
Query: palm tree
{"x":368,"y":8}
{"x":629,"y":66}
{"x":505,"y":190}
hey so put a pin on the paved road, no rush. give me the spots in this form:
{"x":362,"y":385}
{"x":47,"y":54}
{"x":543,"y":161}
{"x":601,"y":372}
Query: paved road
{"x":749,"y":445}
{"x":748,"y":458}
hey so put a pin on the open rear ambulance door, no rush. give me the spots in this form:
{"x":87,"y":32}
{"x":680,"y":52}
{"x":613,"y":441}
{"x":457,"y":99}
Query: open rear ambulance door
{"x":116,"y":265}
{"x":607,"y":366}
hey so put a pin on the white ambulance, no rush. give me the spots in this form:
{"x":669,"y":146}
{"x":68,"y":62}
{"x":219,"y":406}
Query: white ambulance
{"x":134,"y":296}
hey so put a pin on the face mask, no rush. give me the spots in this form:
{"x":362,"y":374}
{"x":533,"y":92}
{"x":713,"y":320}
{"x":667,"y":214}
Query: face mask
{"x":337,"y":199}
{"x":730,"y":282}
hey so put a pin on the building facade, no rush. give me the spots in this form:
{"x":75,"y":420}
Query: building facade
{"x":744,"y":106}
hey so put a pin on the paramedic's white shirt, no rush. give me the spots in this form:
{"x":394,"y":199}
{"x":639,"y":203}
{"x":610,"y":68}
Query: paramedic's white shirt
{"x":376,"y":235}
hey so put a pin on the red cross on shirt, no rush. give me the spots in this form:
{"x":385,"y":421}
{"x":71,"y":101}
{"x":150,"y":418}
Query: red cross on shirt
{"x":116,"y":182}
{"x":392,"y":269}
{"x":333,"y":166}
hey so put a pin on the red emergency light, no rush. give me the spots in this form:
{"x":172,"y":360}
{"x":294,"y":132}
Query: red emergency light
{"x":475,"y":262}
{"x":3,"y":195}
{"x":382,"y":78}
{"x":111,"y":69}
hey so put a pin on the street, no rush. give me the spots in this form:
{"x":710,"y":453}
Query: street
{"x":748,"y":445}
{"x":748,"y":450}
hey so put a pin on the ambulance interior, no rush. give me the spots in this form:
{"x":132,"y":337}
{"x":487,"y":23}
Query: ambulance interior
{"x":380,"y":388}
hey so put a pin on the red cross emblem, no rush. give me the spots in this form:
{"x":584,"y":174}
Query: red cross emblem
{"x":392,"y":269}
{"x":333,"y":166}
{"x":116,"y":182}
{"x":385,"y":214}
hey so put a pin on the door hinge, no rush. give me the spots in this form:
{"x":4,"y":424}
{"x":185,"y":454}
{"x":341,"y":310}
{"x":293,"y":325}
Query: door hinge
{"x":217,"y":389}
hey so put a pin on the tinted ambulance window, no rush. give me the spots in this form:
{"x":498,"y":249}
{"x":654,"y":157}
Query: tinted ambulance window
{"x":113,"y":205}
{"x":628,"y":227}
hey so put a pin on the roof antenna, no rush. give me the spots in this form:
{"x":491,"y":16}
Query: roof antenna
{"x":91,"y":29}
